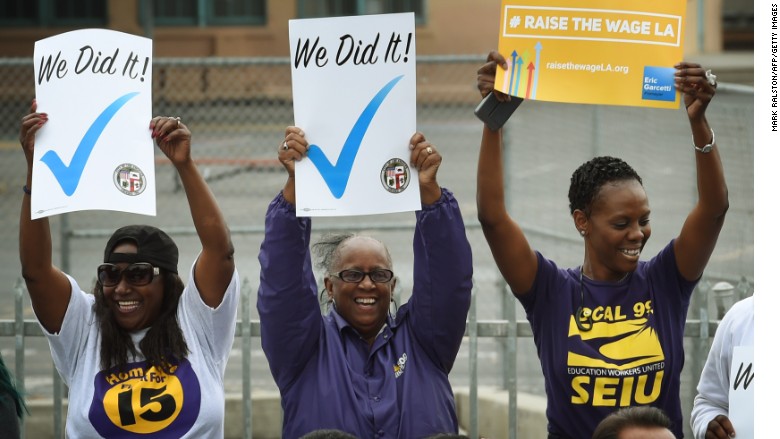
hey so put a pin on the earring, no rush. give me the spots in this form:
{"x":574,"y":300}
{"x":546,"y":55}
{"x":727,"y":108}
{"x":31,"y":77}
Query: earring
{"x":582,"y":233}
{"x":395,"y":305}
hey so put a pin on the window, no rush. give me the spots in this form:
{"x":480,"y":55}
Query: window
{"x":738,"y":25}
{"x":53,"y":12}
{"x":207,"y":12}
{"x":334,"y":8}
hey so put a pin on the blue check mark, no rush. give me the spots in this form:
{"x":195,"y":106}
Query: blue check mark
{"x":68,"y":176}
{"x":336,"y":176}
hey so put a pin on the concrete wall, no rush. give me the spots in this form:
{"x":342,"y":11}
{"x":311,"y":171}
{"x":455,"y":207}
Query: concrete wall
{"x":493,"y":413}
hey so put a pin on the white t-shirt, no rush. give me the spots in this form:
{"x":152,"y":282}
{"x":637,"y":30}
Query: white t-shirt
{"x":736,"y":329}
{"x":184,"y":400}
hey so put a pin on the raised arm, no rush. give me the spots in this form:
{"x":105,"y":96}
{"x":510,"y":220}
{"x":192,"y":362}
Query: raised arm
{"x":49,"y":288}
{"x":443,"y":267}
{"x":215,"y":265}
{"x":700,"y":231}
{"x":513,"y":254}
{"x":290,"y":318}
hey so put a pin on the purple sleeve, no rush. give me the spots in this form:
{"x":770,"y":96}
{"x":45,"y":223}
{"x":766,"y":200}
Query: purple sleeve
{"x":547,"y":279}
{"x":290,"y":319}
{"x":441,"y":295}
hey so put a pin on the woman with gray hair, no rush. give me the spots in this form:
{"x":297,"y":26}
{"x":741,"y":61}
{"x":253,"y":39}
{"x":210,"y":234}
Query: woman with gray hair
{"x":359,"y":368}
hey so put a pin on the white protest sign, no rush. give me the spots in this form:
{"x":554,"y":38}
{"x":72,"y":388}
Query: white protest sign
{"x":96,"y":150}
{"x":354,"y":95}
{"x":741,"y":391}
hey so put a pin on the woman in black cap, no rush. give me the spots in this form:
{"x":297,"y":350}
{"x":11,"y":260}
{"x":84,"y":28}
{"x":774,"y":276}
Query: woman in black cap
{"x":144,"y":355}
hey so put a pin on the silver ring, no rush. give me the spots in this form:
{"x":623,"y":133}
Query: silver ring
{"x":429,"y":149}
{"x":710,"y":77}
{"x":284,"y":146}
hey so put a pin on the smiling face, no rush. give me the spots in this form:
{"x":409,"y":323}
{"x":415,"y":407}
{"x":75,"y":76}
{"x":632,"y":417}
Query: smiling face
{"x":616,"y":230}
{"x":134,"y":307}
{"x":363,"y":305}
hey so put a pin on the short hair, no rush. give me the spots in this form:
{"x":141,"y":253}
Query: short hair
{"x":328,"y":434}
{"x":640,"y":416}
{"x":588,"y":179}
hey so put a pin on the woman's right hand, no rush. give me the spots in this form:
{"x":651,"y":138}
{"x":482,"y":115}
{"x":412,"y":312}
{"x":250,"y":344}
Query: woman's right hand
{"x":486,"y":75}
{"x":31,"y":123}
{"x":292,"y":149}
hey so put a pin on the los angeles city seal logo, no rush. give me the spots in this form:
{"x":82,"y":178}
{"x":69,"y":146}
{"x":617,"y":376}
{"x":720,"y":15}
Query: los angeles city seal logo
{"x":129,"y":179}
{"x":395,"y":175}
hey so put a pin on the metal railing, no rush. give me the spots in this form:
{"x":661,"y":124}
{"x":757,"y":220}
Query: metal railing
{"x":247,"y":328}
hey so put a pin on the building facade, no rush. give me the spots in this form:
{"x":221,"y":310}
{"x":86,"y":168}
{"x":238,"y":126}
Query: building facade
{"x":251,"y":28}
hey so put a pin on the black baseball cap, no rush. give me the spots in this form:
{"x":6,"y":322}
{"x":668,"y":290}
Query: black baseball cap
{"x":154,"y":247}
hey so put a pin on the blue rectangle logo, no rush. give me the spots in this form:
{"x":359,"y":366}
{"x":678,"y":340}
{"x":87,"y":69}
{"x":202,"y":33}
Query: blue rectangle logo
{"x":658,"y":84}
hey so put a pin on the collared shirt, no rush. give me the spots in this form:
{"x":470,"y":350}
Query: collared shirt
{"x":330,"y":378}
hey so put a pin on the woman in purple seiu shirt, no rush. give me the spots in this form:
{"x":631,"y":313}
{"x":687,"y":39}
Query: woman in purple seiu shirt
{"x":359,"y":368}
{"x":608,"y":333}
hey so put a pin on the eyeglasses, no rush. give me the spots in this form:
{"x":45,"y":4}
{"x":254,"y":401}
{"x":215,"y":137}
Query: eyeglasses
{"x":381,"y":275}
{"x":138,"y":274}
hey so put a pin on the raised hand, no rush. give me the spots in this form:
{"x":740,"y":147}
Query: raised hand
{"x":31,"y":123}
{"x":486,"y":75}
{"x":292,"y":149}
{"x":694,"y":82}
{"x":172,"y":137}
{"x":426,"y":159}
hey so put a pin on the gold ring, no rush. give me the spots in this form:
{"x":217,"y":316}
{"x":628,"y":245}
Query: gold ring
{"x":178,"y":121}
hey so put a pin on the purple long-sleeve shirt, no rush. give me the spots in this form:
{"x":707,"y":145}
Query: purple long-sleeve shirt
{"x":330,"y":378}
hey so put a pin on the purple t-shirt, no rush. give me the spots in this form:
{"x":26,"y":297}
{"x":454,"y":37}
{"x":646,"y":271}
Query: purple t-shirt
{"x":328,"y":377}
{"x":633,"y":353}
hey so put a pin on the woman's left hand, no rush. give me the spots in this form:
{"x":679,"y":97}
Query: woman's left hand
{"x":693,"y":81}
{"x":172,"y":137}
{"x":426,"y":159}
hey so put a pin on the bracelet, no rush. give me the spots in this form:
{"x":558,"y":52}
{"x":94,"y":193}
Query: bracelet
{"x":26,"y":190}
{"x":706,"y":148}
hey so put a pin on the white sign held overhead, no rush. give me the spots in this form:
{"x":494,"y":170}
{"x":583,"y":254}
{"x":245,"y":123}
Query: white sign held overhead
{"x":96,"y":150}
{"x":354,"y":94}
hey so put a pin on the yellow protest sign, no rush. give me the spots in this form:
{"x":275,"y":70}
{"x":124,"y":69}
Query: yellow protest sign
{"x":614,"y":52}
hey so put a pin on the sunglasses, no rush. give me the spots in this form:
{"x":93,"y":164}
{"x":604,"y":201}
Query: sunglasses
{"x":381,"y":275}
{"x":138,"y":274}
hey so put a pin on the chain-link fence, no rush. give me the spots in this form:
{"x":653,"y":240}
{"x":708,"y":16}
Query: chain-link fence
{"x":237,"y":110}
